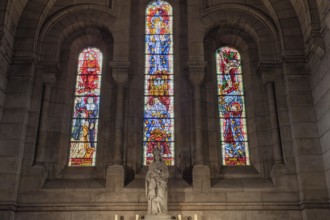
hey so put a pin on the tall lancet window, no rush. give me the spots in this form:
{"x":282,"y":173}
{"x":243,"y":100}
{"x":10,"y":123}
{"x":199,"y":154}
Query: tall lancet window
{"x":85,"y":117}
{"x":234,"y":139}
{"x":158,"y":125}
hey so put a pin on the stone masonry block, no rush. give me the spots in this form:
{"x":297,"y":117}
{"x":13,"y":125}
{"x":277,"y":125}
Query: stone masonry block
{"x":201,"y":178}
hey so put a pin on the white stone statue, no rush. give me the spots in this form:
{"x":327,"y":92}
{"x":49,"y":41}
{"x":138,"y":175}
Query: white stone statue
{"x":156,"y":186}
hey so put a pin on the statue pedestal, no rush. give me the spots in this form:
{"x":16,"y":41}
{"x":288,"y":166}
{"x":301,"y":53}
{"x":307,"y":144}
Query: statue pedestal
{"x":157,"y":217}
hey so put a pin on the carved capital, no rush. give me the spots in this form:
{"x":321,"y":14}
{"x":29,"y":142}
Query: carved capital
{"x":196,"y":72}
{"x":298,"y":68}
{"x":48,"y":71}
{"x":120,"y":72}
{"x":49,"y":79}
{"x":268,"y":71}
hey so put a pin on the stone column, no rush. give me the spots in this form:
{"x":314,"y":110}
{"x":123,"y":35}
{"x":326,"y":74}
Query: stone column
{"x":277,"y":149}
{"x":196,"y":72}
{"x":269,"y":72}
{"x":48,"y":81}
{"x":201,"y":172}
{"x":120,"y":75}
{"x":115,"y":173}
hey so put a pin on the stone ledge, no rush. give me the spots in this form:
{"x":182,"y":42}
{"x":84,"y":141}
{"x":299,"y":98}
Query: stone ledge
{"x":74,"y":184}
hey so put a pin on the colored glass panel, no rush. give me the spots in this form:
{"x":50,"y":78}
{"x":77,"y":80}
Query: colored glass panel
{"x":158,"y":125}
{"x":159,"y":44}
{"x":85,"y":118}
{"x":159,"y":85}
{"x":233,"y":131}
{"x":159,"y":64}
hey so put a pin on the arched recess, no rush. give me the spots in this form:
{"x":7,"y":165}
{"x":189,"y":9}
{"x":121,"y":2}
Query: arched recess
{"x":35,"y":21}
{"x":76,"y":18}
{"x":256,"y":111}
{"x":59,"y":47}
{"x":258,"y":40}
{"x":254,"y":22}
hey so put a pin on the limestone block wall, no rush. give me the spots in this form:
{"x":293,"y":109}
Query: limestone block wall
{"x":285,"y":51}
{"x":320,"y":78}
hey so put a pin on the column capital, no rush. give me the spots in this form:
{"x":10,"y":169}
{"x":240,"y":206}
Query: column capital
{"x":48,"y":71}
{"x":268,"y":71}
{"x":49,"y":79}
{"x":295,"y":69}
{"x":120,"y":72}
{"x":48,"y":67}
{"x":196,"y":71}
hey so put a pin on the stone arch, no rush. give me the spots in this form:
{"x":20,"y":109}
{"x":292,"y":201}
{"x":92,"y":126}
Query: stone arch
{"x":308,"y":14}
{"x":256,"y":24}
{"x":245,"y":42}
{"x":64,"y":50}
{"x":10,"y":13}
{"x":67,"y":22}
{"x":288,"y":27}
{"x":29,"y":26}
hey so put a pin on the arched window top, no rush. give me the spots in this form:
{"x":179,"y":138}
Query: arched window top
{"x":91,"y":53}
{"x":159,"y":19}
{"x":85,"y":118}
{"x":159,"y":7}
{"x":232,"y":115}
{"x":231,"y":53}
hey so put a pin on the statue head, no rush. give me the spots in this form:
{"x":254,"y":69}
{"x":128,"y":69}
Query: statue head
{"x":157,"y":155}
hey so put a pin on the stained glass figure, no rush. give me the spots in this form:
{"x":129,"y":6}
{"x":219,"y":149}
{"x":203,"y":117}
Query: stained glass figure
{"x":158,"y":126}
{"x":234,"y":139}
{"x":85,"y":118}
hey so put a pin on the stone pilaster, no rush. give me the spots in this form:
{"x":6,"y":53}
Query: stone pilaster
{"x":201,"y":172}
{"x":196,"y":71}
{"x":13,"y":128}
{"x":48,"y":76}
{"x":311,"y":178}
{"x":116,"y":172}
{"x":115,"y":178}
{"x":120,"y":72}
{"x":268,"y":73}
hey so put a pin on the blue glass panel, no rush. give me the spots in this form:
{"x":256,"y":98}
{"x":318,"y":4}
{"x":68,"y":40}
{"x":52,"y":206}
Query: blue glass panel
{"x":159,"y":64}
{"x":159,"y":44}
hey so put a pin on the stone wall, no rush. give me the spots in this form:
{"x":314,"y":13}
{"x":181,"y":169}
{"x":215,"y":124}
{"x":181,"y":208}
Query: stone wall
{"x":320,"y":78}
{"x":285,"y":50}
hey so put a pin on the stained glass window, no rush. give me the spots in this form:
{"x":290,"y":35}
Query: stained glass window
{"x":85,"y":118}
{"x":158,"y":125}
{"x":234,"y":139}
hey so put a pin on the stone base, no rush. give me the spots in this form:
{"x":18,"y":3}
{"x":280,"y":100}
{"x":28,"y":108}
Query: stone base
{"x":157,"y":217}
{"x":115,"y":178}
{"x":201,"y":178}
